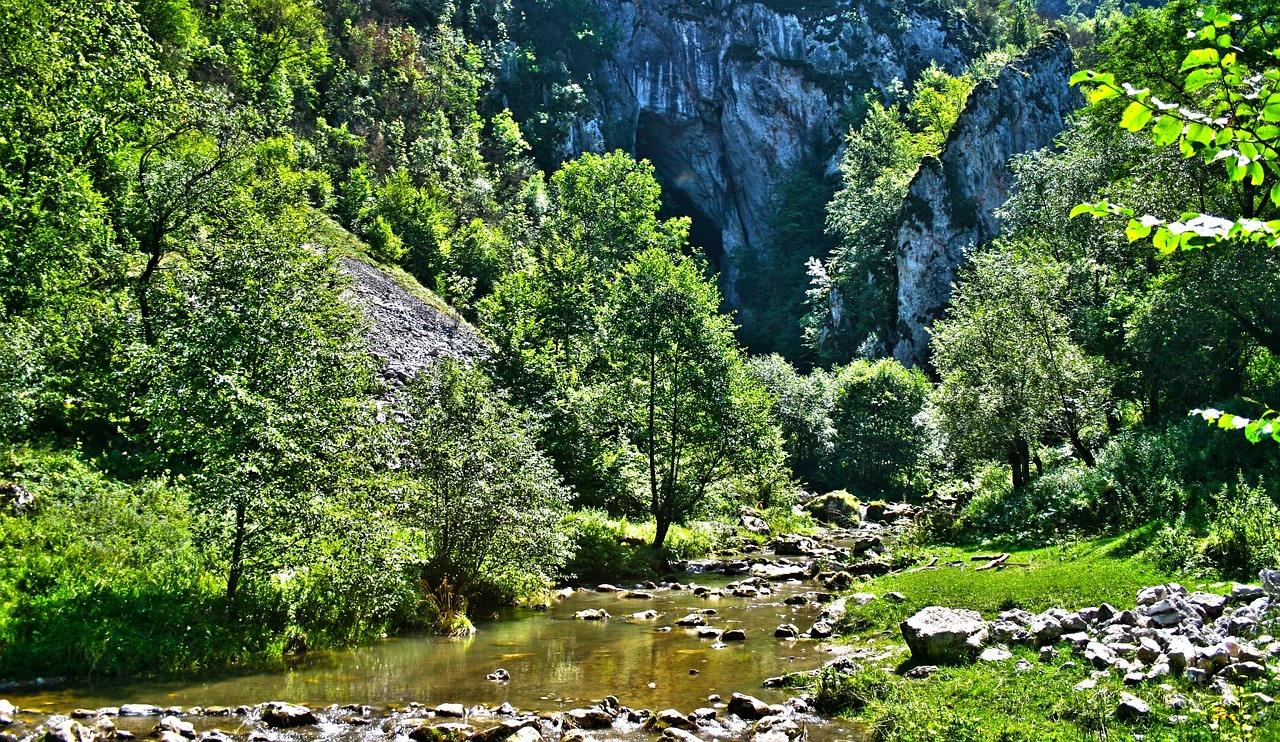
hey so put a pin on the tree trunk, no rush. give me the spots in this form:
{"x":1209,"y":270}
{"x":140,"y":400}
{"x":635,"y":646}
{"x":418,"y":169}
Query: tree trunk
{"x":237,"y":555}
{"x":660,"y":533}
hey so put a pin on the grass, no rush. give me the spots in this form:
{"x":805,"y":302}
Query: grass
{"x":993,"y":701}
{"x":1075,"y":576}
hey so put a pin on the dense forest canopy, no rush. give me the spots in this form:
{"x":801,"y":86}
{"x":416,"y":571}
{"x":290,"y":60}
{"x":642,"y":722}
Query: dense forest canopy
{"x":181,"y":360}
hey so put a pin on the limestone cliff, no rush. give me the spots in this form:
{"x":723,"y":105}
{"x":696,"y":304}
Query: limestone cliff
{"x":726,"y":97}
{"x":951,"y":204}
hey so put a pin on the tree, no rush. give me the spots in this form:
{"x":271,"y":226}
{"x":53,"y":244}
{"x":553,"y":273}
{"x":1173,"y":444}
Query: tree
{"x":679,"y":391}
{"x":487,"y":502}
{"x":1011,"y":374}
{"x":257,"y":389}
{"x":802,"y":410}
{"x":878,"y":445}
{"x":1229,"y":114}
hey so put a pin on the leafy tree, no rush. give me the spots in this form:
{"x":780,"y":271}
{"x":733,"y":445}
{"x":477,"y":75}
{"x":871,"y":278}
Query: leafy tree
{"x":487,"y":502}
{"x":680,"y":392}
{"x":256,"y":389}
{"x":1229,"y":114}
{"x":802,"y":408}
{"x":1011,"y":374}
{"x":878,"y":447}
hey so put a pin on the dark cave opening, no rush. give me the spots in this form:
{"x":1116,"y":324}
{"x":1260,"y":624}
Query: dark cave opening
{"x":654,"y":141}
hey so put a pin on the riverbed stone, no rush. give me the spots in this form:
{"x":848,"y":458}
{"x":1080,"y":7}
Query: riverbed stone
{"x":680,"y":735}
{"x":692,"y":619}
{"x":776,"y":729}
{"x":591,"y":718}
{"x":455,"y":710}
{"x":449,"y":731}
{"x":943,"y":635}
{"x":177,"y":726}
{"x":734,"y":635}
{"x":68,"y":731}
{"x":6,"y":708}
{"x":281,"y":715}
{"x":670,"y":718}
{"x":592,"y":614}
{"x":787,"y":631}
{"x":503,"y":730}
{"x":748,"y":707}
{"x":577,"y":735}
{"x":139,"y":709}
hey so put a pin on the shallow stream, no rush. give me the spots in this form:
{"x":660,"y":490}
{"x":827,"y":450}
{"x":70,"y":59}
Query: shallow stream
{"x":556,"y":663}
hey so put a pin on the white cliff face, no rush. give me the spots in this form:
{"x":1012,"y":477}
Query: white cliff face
{"x":726,"y":97}
{"x":951,"y":204}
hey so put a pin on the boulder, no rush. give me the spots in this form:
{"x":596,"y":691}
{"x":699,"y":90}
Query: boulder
{"x":281,"y":715}
{"x":837,"y":508}
{"x":68,"y":731}
{"x":504,"y":730}
{"x":670,"y":719}
{"x":1131,"y":707}
{"x":748,"y":707}
{"x":734,"y":635}
{"x":755,"y":525}
{"x":794,"y":545}
{"x":455,"y":710}
{"x":787,"y":631}
{"x":937,"y":634}
{"x":177,"y":726}
{"x":994,"y":654}
{"x":592,"y":718}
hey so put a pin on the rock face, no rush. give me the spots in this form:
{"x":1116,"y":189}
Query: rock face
{"x":950,"y":206}
{"x":407,"y":334}
{"x":726,"y":97}
{"x":944,"y":634}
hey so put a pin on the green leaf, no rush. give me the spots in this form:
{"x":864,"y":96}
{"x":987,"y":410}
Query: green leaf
{"x":1135,"y":116}
{"x":1199,"y":58}
{"x":1201,"y":77}
{"x":1275,"y":194}
{"x":1136,"y":230}
{"x":1166,"y":130}
{"x":1101,"y":93}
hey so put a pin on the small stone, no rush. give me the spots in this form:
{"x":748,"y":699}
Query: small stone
{"x":499,"y":676}
{"x":139,"y":709}
{"x":1023,"y":665}
{"x":455,"y":710}
{"x":734,"y":635}
{"x":1086,"y":684}
{"x":592,"y":614}
{"x":1047,"y":654}
{"x":920,"y":672}
{"x":787,"y":631}
{"x":1134,"y":678}
{"x":668,"y":719}
{"x":692,"y":619}
{"x":679,"y":735}
{"x":994,"y":654}
{"x":592,"y":718}
{"x":1132,"y":707}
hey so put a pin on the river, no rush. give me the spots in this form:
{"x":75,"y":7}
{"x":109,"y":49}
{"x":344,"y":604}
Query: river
{"x":556,"y":662}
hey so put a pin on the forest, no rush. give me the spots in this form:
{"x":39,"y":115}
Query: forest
{"x":203,"y":467}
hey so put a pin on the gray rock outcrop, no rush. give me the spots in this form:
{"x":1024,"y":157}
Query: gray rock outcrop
{"x":406,"y":334}
{"x":951,"y":205}
{"x":727,"y":97}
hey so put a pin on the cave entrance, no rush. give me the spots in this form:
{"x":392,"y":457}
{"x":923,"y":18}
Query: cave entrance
{"x":654,"y":142}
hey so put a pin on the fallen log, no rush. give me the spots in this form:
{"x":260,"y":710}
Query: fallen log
{"x":995,"y":562}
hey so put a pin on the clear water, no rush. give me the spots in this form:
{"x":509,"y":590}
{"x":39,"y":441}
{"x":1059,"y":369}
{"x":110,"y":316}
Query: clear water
{"x":556,"y":662}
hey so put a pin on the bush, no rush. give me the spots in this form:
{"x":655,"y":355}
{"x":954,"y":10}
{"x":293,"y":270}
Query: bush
{"x":1244,"y":534}
{"x":878,"y":446}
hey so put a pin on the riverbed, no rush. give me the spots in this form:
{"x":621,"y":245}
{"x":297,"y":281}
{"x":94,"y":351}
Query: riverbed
{"x":556,"y":662}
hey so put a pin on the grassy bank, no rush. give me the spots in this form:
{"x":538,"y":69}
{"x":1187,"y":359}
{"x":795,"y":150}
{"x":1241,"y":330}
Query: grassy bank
{"x":997,"y":701}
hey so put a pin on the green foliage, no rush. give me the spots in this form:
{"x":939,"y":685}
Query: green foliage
{"x":802,"y":406}
{"x":1011,"y":373}
{"x":879,"y":446}
{"x":486,"y":502}
{"x":679,"y":390}
{"x":260,"y":411}
{"x":1244,"y":533}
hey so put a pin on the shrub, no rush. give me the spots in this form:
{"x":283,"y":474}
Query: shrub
{"x":1244,"y":534}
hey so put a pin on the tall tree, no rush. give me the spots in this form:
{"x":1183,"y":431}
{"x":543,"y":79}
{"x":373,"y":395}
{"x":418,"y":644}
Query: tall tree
{"x":679,"y":389}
